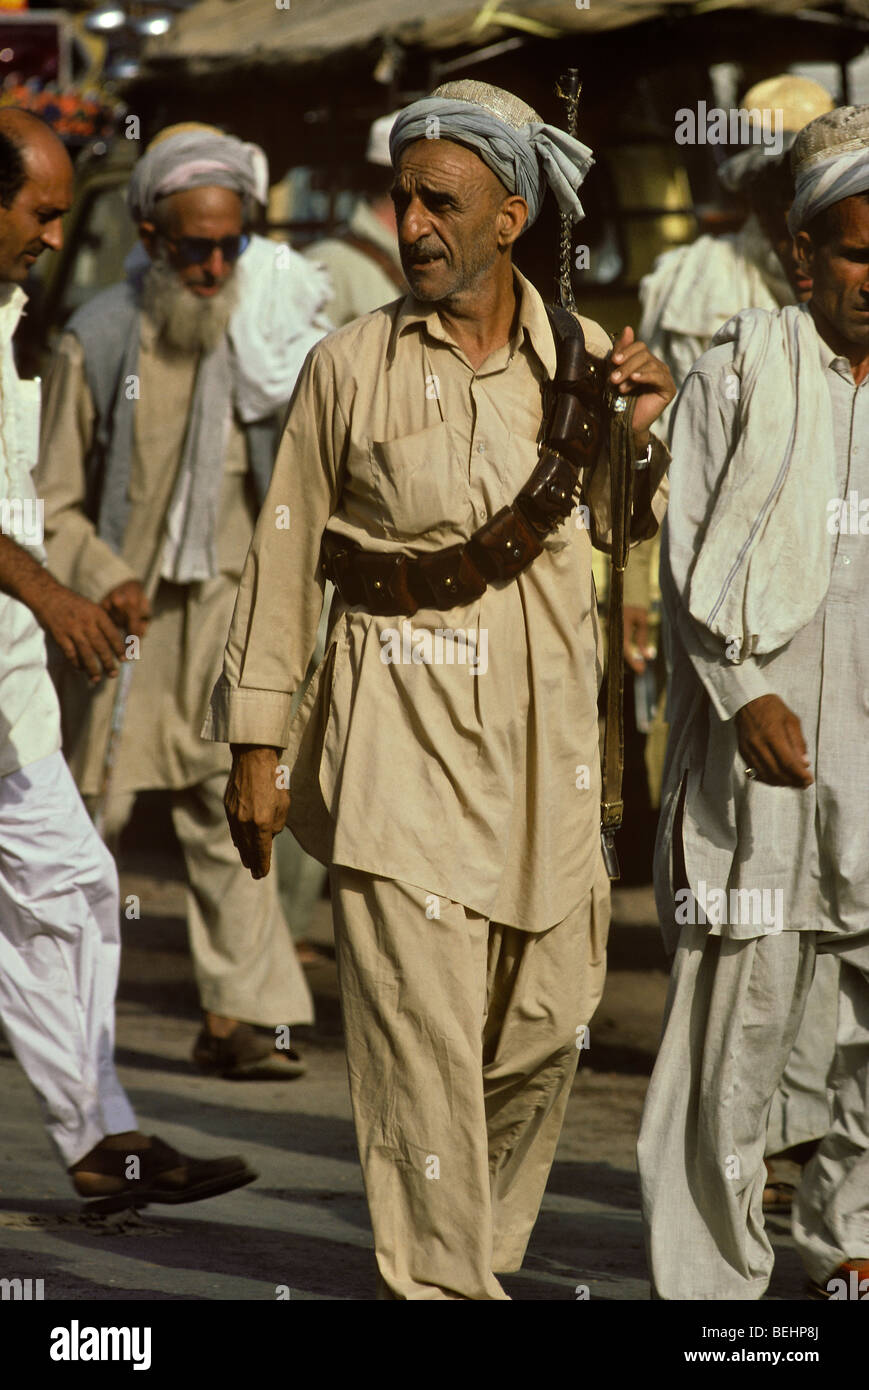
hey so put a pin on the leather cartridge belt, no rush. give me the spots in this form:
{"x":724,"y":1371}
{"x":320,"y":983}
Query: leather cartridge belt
{"x":505,"y":545}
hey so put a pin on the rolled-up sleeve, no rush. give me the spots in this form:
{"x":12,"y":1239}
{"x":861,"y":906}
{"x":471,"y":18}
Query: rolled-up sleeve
{"x":280,"y":596}
{"x":701,"y":438}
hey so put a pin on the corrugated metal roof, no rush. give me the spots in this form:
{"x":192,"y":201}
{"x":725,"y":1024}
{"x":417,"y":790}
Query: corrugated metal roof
{"x":216,"y":32}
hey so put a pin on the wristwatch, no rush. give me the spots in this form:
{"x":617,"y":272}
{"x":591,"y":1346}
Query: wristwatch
{"x":645,"y":458}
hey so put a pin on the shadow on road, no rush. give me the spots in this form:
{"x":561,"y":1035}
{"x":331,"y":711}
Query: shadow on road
{"x":317,"y":1266}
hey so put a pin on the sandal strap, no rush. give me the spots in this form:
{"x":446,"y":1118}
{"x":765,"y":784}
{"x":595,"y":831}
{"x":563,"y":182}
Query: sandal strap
{"x":244,"y":1045}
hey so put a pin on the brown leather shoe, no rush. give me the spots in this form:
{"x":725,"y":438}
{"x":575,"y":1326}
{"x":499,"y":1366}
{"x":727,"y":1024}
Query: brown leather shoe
{"x":246,"y":1055}
{"x":163,"y":1175}
{"x":849,"y":1281}
{"x":782,"y":1181}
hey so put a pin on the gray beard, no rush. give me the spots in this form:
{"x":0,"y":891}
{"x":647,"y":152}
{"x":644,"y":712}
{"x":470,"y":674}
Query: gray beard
{"x":183,"y":320}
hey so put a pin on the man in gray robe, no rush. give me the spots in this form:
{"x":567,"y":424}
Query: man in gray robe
{"x":690,"y":294}
{"x":761,"y":861}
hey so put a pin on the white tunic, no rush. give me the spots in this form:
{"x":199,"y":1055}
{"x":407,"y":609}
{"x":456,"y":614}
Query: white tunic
{"x":29,"y":714}
{"x":742,"y":834}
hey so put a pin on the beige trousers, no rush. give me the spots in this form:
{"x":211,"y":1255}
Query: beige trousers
{"x":301,"y":878}
{"x":243,"y":956}
{"x":300,"y":881}
{"x":462,"y":1041}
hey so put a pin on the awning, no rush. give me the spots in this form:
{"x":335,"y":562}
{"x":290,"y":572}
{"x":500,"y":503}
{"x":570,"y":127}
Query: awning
{"x":218,"y":33}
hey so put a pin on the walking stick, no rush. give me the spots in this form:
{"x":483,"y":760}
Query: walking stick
{"x":125,"y":680}
{"x":119,"y":710}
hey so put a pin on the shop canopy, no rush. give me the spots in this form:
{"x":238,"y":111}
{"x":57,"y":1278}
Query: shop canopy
{"x":219,"y":34}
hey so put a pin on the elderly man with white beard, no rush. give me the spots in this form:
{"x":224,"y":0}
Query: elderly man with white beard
{"x":160,"y":417}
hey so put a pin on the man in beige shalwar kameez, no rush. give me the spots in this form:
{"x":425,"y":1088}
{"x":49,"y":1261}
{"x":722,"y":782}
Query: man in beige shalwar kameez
{"x":456,"y":800}
{"x":151,"y":488}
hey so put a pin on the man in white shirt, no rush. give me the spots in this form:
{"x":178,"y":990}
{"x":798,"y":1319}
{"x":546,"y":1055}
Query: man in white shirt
{"x":59,"y":937}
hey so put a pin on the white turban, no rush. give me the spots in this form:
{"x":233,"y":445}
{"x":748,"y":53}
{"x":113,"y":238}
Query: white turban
{"x":830,"y":161}
{"x":194,"y":158}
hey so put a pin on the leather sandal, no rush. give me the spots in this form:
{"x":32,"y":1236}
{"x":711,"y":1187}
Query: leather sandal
{"x":852,"y":1275}
{"x":783,"y":1179}
{"x":778,"y":1197}
{"x":247,"y":1054}
{"x":164,"y":1175}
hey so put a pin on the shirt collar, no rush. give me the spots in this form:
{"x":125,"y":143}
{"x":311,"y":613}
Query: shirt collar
{"x":12,"y":302}
{"x":830,"y":359}
{"x":533,"y":323}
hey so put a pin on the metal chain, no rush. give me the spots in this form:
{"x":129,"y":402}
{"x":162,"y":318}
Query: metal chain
{"x":567,"y":89}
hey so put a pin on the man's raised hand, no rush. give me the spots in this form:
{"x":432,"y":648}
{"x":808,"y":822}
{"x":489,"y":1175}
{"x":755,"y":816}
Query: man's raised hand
{"x":637,"y":372}
{"x":637,"y":648}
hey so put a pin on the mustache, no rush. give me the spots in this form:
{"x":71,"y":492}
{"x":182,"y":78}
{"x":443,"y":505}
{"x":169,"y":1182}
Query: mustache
{"x":422,"y":252}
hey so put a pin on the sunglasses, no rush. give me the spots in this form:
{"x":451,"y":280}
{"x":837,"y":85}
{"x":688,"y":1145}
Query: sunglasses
{"x":195,"y":250}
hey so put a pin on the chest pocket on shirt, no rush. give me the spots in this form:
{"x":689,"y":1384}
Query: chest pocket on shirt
{"x":420,"y":484}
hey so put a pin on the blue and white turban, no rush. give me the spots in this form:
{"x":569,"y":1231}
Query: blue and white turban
{"x":830,"y":161}
{"x":524,"y":152}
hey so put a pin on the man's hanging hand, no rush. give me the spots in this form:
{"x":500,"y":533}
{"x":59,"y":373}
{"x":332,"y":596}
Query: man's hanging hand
{"x":256,"y":805}
{"x":771,"y":742}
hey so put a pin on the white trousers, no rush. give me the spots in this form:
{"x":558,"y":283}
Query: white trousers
{"x":733,"y":1012}
{"x":59,"y":955}
{"x":831,"y":1209}
{"x":801,"y":1106}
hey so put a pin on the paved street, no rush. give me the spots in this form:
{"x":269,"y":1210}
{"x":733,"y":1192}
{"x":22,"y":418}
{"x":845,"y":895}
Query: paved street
{"x":304,"y":1224}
